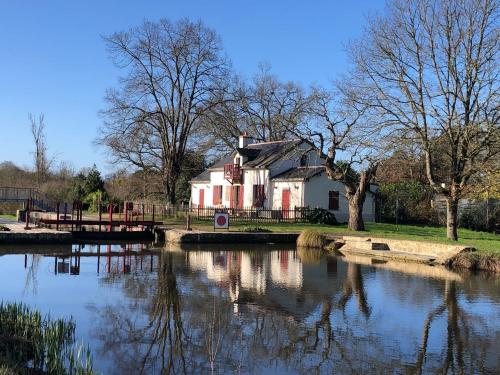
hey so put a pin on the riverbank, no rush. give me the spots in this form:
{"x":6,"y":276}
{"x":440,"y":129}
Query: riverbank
{"x":485,"y":257}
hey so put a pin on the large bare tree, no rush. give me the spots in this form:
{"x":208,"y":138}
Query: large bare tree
{"x":172,"y":73}
{"x":429,"y":70}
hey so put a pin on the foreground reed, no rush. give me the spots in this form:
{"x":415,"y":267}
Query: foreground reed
{"x":31,"y":343}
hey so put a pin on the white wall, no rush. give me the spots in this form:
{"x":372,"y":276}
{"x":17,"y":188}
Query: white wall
{"x":316,"y":195}
{"x":195,"y":193}
{"x":296,"y":193}
{"x":256,"y":177}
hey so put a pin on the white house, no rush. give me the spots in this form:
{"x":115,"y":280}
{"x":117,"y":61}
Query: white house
{"x":278,"y":175}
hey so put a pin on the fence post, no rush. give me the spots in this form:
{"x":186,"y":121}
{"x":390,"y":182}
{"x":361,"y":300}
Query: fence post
{"x":57,"y":218}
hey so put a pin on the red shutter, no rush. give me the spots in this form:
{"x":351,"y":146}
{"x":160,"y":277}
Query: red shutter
{"x":214,"y":196}
{"x":201,"y":201}
{"x":241,"y":198}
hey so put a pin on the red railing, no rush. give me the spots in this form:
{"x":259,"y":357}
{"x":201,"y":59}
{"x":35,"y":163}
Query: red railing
{"x":233,"y":173}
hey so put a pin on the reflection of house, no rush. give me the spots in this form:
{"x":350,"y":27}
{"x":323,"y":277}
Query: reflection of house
{"x":253,"y":271}
{"x":273,"y":175}
{"x":275,"y":279}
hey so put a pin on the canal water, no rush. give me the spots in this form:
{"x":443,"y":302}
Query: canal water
{"x":260,"y":310}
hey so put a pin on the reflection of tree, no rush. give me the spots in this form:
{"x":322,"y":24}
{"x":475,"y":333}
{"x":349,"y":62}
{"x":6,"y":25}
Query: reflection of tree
{"x":31,"y":276}
{"x":189,"y":324}
{"x":353,"y":284}
{"x":165,"y":327}
{"x":458,"y":340}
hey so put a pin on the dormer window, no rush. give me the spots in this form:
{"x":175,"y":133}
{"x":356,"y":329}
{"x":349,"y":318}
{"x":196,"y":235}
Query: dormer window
{"x":303,"y":160}
{"x":237,"y":161}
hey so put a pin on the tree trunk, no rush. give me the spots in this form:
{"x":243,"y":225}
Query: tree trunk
{"x":451,"y":218}
{"x":170,"y":192}
{"x":356,"y":213}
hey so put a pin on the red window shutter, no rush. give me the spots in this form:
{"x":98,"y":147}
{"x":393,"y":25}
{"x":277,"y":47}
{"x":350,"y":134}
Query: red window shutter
{"x":241,"y":198}
{"x":217,"y":195}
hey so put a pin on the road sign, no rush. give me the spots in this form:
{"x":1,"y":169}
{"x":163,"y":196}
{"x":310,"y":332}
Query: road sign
{"x":221,"y":220}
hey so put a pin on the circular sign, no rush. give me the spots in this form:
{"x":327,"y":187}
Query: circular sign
{"x":221,"y":220}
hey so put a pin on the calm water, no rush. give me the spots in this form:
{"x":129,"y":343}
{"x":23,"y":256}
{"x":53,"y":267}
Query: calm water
{"x":251,"y":310}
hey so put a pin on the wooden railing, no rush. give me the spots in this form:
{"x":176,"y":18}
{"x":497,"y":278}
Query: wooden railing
{"x":233,"y":173}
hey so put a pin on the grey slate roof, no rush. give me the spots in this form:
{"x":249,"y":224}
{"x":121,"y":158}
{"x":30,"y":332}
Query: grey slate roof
{"x":299,"y":173}
{"x":202,"y":177}
{"x":269,"y":152}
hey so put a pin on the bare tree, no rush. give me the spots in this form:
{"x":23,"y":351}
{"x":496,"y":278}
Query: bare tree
{"x":338,"y":129}
{"x":429,"y":70}
{"x":40,"y":153}
{"x":173,"y":71}
{"x":272,"y":108}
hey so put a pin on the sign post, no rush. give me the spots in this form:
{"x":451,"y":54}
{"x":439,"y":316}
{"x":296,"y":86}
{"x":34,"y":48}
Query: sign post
{"x":221,"y":220}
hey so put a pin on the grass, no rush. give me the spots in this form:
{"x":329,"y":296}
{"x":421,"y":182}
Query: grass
{"x":33,"y":344}
{"x":8,"y":217}
{"x":311,"y":238}
{"x":485,"y":243}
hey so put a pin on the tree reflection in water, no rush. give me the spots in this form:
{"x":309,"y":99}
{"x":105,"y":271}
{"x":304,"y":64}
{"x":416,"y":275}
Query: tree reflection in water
{"x":459,"y":345}
{"x":196,"y":326}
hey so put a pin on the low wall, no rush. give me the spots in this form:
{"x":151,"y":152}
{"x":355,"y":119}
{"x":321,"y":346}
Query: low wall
{"x":386,"y":247}
{"x":35,"y":237}
{"x":175,"y":236}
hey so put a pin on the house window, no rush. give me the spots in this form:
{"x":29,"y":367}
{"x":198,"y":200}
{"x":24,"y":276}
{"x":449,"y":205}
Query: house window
{"x":258,"y":196}
{"x":333,"y":200}
{"x":217,"y":191}
{"x":227,"y":194}
{"x":303,"y":160}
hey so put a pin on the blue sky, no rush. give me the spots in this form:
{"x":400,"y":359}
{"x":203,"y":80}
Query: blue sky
{"x":53,"y":60}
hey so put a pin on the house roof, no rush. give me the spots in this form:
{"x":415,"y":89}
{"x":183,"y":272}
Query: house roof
{"x":299,"y":173}
{"x":260,"y":155}
{"x":269,"y":152}
{"x":202,"y":177}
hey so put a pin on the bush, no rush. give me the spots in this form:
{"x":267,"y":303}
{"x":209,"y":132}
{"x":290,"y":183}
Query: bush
{"x":255,"y":229}
{"x":321,"y":216}
{"x":311,"y":238}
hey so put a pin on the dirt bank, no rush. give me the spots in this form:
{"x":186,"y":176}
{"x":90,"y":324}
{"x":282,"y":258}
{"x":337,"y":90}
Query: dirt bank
{"x":474,"y":261}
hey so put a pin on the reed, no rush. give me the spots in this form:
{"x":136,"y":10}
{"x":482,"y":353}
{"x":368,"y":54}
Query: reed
{"x":31,"y":343}
{"x":312,"y":239}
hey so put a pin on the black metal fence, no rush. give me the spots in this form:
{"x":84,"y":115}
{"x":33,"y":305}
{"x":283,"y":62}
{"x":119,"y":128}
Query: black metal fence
{"x":252,"y":214}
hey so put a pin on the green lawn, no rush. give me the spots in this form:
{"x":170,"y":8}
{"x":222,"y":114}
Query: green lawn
{"x":9,"y":217}
{"x":484,"y":242}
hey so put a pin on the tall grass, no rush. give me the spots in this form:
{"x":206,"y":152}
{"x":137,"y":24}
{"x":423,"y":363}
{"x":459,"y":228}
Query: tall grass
{"x":31,"y":343}
{"x":311,"y":238}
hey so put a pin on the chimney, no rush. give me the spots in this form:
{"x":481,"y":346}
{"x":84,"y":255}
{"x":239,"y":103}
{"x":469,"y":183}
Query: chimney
{"x":244,"y":140}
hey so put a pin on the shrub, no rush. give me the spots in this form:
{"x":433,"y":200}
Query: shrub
{"x":321,"y":216}
{"x":311,"y":238}
{"x":255,"y":229}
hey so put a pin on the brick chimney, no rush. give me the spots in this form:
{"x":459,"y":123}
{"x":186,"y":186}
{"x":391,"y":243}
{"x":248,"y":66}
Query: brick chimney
{"x":244,"y":140}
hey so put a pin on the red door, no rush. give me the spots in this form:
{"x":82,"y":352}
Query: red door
{"x":201,"y":200}
{"x":285,"y":202}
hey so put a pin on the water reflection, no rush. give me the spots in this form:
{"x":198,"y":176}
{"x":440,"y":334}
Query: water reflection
{"x":281,"y":311}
